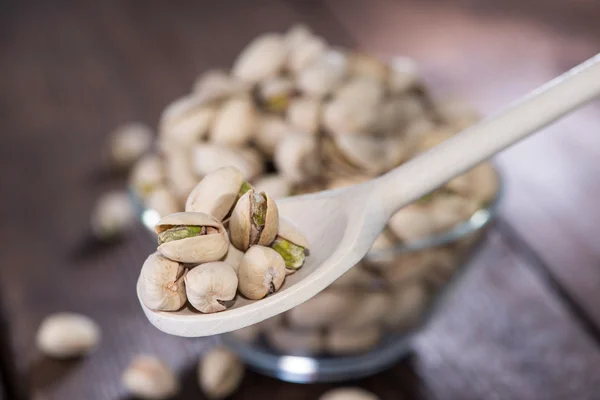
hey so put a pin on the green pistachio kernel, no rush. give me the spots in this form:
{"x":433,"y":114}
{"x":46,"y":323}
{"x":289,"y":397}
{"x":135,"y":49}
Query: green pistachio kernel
{"x":243,"y":189}
{"x":292,"y":254}
{"x":278,"y":103}
{"x":259,"y":210}
{"x":180,"y":232}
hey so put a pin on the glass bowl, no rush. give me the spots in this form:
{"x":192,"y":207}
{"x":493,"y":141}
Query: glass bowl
{"x":333,"y":362}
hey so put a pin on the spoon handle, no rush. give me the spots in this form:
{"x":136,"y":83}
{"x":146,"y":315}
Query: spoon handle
{"x":468,"y":148}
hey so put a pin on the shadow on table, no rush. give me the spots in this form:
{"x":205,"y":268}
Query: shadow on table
{"x":45,"y":372}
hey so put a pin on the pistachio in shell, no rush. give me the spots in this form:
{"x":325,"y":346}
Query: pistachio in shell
{"x":208,"y":157}
{"x":326,"y":308}
{"x":254,"y":220}
{"x":296,"y":157}
{"x":323,"y":75}
{"x":365,"y":65}
{"x":352,"y":341}
{"x":163,"y":202}
{"x":162,"y":286}
{"x":219,"y":373}
{"x":262,"y":58}
{"x":407,"y":306}
{"x":271,"y":129}
{"x":261,"y":272}
{"x":146,"y":175}
{"x":305,"y":52}
{"x":217,"y":84}
{"x":211,"y":287}
{"x":276,"y":93}
{"x":191,"y":237}
{"x":348,"y":393}
{"x":275,"y":185}
{"x":235,"y":123}
{"x":304,"y":114}
{"x":291,"y":244}
{"x":295,"y":342}
{"x":185,"y":121}
{"x":217,"y":193}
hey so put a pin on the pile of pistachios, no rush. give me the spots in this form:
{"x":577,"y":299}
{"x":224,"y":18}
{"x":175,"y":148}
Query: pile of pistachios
{"x":200,"y":261}
{"x":294,"y":115}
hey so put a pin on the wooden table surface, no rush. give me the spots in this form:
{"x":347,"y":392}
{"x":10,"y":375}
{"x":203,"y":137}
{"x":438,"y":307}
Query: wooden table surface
{"x":524,"y":322}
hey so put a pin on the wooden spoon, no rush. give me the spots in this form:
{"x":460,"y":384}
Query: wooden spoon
{"x":342,"y":224}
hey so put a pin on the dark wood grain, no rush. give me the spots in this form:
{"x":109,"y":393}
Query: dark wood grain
{"x":71,"y":71}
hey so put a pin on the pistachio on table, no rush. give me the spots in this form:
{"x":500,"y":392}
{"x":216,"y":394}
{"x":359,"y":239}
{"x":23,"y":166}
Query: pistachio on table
{"x":113,"y":214}
{"x":191,"y":237}
{"x":162,"y":284}
{"x":348,"y":393}
{"x":211,"y":287}
{"x":254,"y":220}
{"x":67,"y":335}
{"x":219,"y":373}
{"x":148,"y":377}
{"x":129,"y":142}
{"x":291,"y":244}
{"x":261,"y":272}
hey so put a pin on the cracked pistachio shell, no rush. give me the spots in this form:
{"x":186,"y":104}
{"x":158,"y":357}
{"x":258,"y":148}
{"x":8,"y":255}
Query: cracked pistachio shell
{"x":348,"y":117}
{"x":326,"y":308}
{"x":129,"y":142}
{"x":254,"y":220}
{"x":233,"y":257}
{"x":211,"y":287}
{"x":220,"y":372}
{"x":261,"y":272}
{"x":271,"y":129}
{"x":411,"y":223}
{"x":352,"y":341}
{"x":162,"y":286}
{"x":263,"y":57}
{"x":180,"y":176}
{"x":163,"y":202}
{"x":194,"y":249}
{"x":216,"y":193}
{"x":217,"y":85}
{"x":366,"y":91}
{"x":186,"y":121}
{"x":349,"y":393}
{"x":368,"y":66}
{"x":301,"y":342}
{"x":303,"y":113}
{"x":398,"y":114}
{"x":407,"y":306}
{"x":305,"y":52}
{"x":235,"y":123}
{"x":290,"y":231}
{"x":291,"y":244}
{"x":276,"y":93}
{"x":66,"y":335}
{"x":296,"y":158}
{"x":324,"y":75}
{"x":403,"y":76}
{"x":275,"y":185}
{"x":147,"y":175}
{"x":370,"y":310}
{"x":371,"y":154}
{"x":148,"y":377}
{"x":209,"y":157}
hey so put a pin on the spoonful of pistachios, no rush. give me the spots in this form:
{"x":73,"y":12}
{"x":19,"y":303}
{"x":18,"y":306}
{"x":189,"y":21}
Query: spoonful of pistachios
{"x":290,"y":250}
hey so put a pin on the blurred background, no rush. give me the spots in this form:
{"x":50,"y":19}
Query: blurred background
{"x":522,"y":323}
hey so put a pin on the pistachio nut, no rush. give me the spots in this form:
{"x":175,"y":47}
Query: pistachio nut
{"x":411,"y":223}
{"x":180,"y":176}
{"x":148,"y":377}
{"x":457,"y":113}
{"x":163,"y":202}
{"x":209,"y":157}
{"x":356,"y":277}
{"x":348,"y":117}
{"x":275,"y":185}
{"x":448,"y":210}
{"x":370,"y":310}
{"x":366,"y":65}
{"x":352,"y":341}
{"x":326,"y":308}
{"x":439,"y":135}
{"x":460,"y":185}
{"x":67,"y":335}
{"x":218,"y":85}
{"x":113,"y":214}
{"x":233,"y":257}
{"x":323,"y":75}
{"x":403,"y":75}
{"x":408,"y":267}
{"x":146,"y":175}
{"x":305,"y":52}
{"x":296,"y":158}
{"x":381,"y":255}
{"x":349,"y":393}
{"x":186,"y":121}
{"x":366,"y":91}
{"x":261,"y":272}
{"x":407,"y":306}
{"x":297,"y":35}
{"x":235,"y":122}
{"x":191,"y":237}
{"x":371,"y":154}
{"x":220,"y":372}
{"x":484,"y":183}
{"x":288,"y":341}
{"x":217,"y":193}
{"x":254,"y":220}
{"x":276,"y":93}
{"x":161,"y":283}
{"x":291,"y":244}
{"x":262,"y":58}
{"x":211,"y":287}
{"x":271,"y":129}
{"x":129,"y":142}
{"x":398,"y":113}
{"x":304,"y":114}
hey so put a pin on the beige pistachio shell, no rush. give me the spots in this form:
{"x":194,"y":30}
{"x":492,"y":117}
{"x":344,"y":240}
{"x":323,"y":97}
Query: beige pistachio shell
{"x":404,"y":74}
{"x":460,"y":185}
{"x":368,"y":66}
{"x":261,"y":272}
{"x":147,"y":174}
{"x":484,"y":183}
{"x":263,"y":57}
{"x":326,"y":308}
{"x":195,"y":249}
{"x":162,"y":286}
{"x":352,"y":341}
{"x":407,"y":306}
{"x":243,"y":228}
{"x":275,"y":185}
{"x":297,"y":35}
{"x":370,"y":310}
{"x":457,"y":113}
{"x":303,"y":113}
{"x":324,"y":75}
{"x":296,"y":158}
{"x":448,"y":210}
{"x":148,"y":377}
{"x":356,"y":277}
{"x":411,"y":223}
{"x":180,"y":176}
{"x":216,"y":193}
{"x":129,"y":142}
{"x":276,"y":92}
{"x":233,"y":257}
{"x":235,"y":123}
{"x":288,"y":341}
{"x":66,"y":335}
{"x":348,"y":117}
{"x":291,"y":232}
{"x":209,"y":157}
{"x":366,"y":91}
{"x":186,"y":121}
{"x":408,"y":268}
{"x":349,"y":393}
{"x":113,"y":214}
{"x":211,"y":287}
{"x":271,"y":129}
{"x":219,"y":373}
{"x":305,"y":52}
{"x":217,"y":85}
{"x":163,"y":202}
{"x":371,"y":154}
